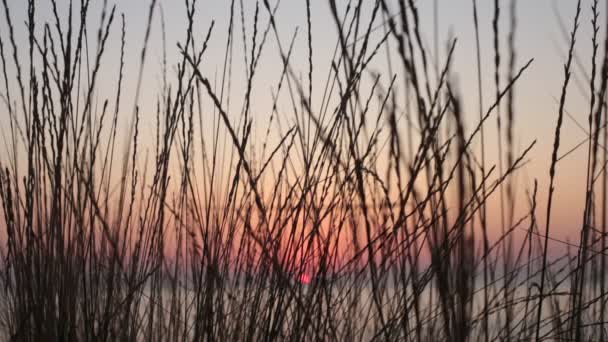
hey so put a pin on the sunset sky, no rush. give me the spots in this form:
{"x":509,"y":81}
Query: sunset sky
{"x":538,"y":36}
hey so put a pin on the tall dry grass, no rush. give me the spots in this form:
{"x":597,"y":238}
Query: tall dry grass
{"x":361,"y":214}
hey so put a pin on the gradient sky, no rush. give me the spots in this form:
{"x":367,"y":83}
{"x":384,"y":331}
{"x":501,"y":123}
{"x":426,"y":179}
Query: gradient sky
{"x":538,"y":36}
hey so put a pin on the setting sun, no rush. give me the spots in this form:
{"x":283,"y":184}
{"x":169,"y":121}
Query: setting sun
{"x":305,"y":279}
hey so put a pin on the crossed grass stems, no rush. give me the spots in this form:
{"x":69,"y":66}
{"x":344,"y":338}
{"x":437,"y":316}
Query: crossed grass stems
{"x":209,"y":239}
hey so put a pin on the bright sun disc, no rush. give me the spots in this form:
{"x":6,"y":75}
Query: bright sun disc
{"x":305,"y":279}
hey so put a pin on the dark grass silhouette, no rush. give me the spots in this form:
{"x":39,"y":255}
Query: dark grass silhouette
{"x":311,"y":239}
